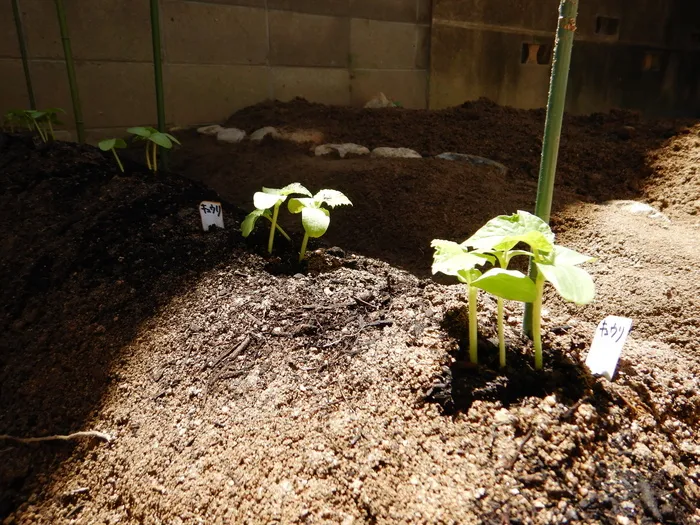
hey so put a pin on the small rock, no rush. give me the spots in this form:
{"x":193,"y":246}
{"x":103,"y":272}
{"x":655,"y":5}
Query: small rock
{"x":623,"y":520}
{"x":380,"y":100}
{"x":261,"y":133}
{"x":213,"y":129}
{"x":302,"y":136}
{"x":401,"y":153}
{"x":230,"y":135}
{"x":639,"y":208}
{"x":503,"y":417}
{"x":341,"y":150}
{"x":474,"y":160}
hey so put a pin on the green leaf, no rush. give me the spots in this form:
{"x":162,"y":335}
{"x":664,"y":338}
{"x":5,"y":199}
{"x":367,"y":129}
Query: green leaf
{"x":36,"y":115}
{"x":107,"y":144}
{"x":505,"y":231}
{"x":140,"y":131}
{"x":161,"y":139}
{"x":249,"y":222}
{"x":573,"y":283}
{"x":294,"y":187}
{"x":508,"y":284}
{"x":172,"y":138}
{"x":451,"y":258}
{"x":315,"y":221}
{"x":296,"y":205}
{"x":265,"y":201}
{"x":332,"y":198}
{"x":570,"y":257}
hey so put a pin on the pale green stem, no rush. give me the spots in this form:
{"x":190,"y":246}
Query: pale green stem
{"x":119,"y":162}
{"x":303,"y":247}
{"x":154,"y":149}
{"x":473,"y":349}
{"x":148,"y":156}
{"x":537,"y":320}
{"x":501,"y":335}
{"x":51,"y":129}
{"x":38,"y":128}
{"x":279,"y":229}
{"x":271,"y":239}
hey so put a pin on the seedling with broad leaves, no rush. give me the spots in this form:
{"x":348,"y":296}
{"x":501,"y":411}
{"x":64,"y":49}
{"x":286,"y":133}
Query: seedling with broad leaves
{"x":41,"y":121}
{"x":112,"y":145}
{"x":497,"y":240}
{"x":153,"y":138}
{"x":315,"y":217}
{"x":267,"y":204}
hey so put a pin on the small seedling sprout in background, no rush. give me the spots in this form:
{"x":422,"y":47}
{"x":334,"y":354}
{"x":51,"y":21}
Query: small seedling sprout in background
{"x":314,"y":217}
{"x":270,"y":199}
{"x":112,"y":145}
{"x":153,"y":138}
{"x":51,"y":118}
{"x":454,"y":259}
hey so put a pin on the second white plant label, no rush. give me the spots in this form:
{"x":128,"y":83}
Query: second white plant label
{"x":606,"y":349}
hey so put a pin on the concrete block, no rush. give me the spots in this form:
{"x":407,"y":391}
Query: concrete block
{"x":316,"y":7}
{"x":425,"y":11}
{"x":202,"y":94}
{"x":9,"y":46}
{"x":51,"y":88}
{"x":382,"y":45}
{"x":527,"y":14}
{"x":198,"y":33}
{"x":409,"y":88}
{"x":423,"y":47}
{"x":394,"y":10}
{"x":13,"y":89}
{"x":308,"y":40}
{"x":324,"y":85}
{"x":99,"y":29}
{"x":249,"y":3}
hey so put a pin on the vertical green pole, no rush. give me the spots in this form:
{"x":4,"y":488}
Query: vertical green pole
{"x":23,"y":52}
{"x":568,"y":10}
{"x":158,"y":70}
{"x":70,"y":67}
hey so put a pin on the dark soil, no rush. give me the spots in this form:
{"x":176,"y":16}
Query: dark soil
{"x":243,"y":388}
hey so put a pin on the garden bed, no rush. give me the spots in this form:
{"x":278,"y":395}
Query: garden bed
{"x":243,"y":388}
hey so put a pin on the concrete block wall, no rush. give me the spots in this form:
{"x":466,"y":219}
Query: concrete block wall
{"x":477,"y":50}
{"x":219,"y":56}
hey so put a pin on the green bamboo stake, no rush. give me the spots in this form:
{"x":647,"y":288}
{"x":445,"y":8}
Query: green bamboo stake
{"x":568,"y":11}
{"x":158,"y":72}
{"x":23,"y":53}
{"x":70,"y":67}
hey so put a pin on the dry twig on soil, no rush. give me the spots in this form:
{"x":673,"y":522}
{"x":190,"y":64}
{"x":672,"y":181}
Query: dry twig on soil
{"x":68,"y":437}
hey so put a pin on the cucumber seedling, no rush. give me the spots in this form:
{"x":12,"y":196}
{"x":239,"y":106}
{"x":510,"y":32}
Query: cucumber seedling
{"x":457,"y":261}
{"x":267,"y":204}
{"x":112,"y":145}
{"x":153,"y":138}
{"x":315,"y":218}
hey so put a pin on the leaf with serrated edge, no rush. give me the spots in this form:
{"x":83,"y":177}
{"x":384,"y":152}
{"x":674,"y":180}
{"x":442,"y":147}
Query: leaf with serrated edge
{"x":570,"y":257}
{"x":315,"y":221}
{"x":573,"y":283}
{"x":332,"y":198}
{"x":264,"y":201}
{"x":249,"y":222}
{"x":450,"y":258}
{"x":505,"y":231}
{"x":507,"y":284}
{"x":295,"y":187}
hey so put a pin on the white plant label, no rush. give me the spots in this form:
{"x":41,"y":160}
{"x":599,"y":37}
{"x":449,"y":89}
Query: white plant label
{"x":212,"y":214}
{"x":610,"y":337}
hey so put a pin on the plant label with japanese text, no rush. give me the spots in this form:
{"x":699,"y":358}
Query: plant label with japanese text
{"x":610,"y":337}
{"x":212,"y":214}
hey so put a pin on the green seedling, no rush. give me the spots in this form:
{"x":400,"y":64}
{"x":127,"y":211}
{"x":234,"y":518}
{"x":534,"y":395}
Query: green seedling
{"x":16,"y":118}
{"x":153,"y":138}
{"x":314,"y":217}
{"x":456,"y":260}
{"x":112,"y":145}
{"x":35,"y":117}
{"x":51,"y":119}
{"x":270,"y":199}
{"x":556,"y":264}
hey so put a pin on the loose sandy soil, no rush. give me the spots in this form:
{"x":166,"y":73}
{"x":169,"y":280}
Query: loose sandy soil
{"x":240,"y":388}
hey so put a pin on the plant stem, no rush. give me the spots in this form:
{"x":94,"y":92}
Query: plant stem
{"x":38,"y":128}
{"x":501,"y":335}
{"x":119,"y":162}
{"x":473,"y":349}
{"x":51,"y":129}
{"x":154,"y":149}
{"x":284,"y":233}
{"x":271,"y":239}
{"x":537,"y":320}
{"x":303,"y":247}
{"x":148,"y":156}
